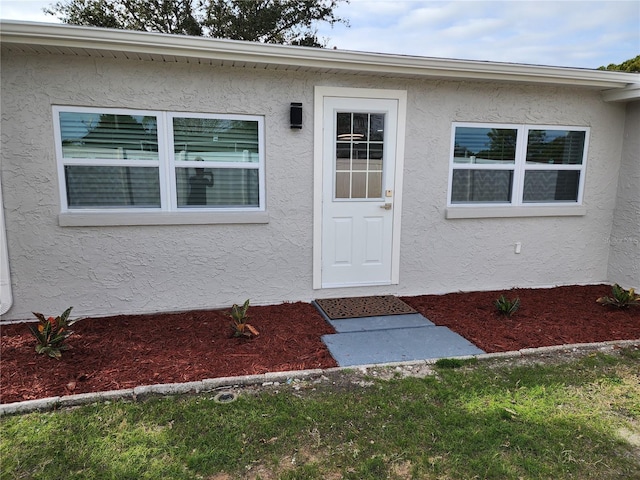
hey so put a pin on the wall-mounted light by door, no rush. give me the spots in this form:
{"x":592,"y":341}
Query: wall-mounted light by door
{"x":295,"y":116}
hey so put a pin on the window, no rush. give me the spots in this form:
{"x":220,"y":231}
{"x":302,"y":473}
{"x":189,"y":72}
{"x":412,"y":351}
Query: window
{"x":517,"y":165}
{"x":158,"y":161}
{"x":359,"y":152}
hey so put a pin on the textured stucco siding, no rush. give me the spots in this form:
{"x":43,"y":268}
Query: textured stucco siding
{"x":470,"y":254}
{"x":624,"y":260}
{"x":136,"y":269}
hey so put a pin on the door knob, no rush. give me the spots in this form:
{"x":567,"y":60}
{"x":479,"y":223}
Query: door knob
{"x":386,"y":206}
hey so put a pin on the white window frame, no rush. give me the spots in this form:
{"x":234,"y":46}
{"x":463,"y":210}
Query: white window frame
{"x":168,"y":213}
{"x":517,"y":207}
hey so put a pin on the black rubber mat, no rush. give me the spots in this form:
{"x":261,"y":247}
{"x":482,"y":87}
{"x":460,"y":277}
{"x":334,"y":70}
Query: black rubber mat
{"x":355,"y":307}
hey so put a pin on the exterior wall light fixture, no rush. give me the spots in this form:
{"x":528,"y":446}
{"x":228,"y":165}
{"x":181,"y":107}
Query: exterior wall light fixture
{"x":295,"y":115}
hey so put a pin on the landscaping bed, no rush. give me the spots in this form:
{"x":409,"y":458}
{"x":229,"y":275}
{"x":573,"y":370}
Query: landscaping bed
{"x":126,"y":351}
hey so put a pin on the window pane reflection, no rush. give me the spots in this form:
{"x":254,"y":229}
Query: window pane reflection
{"x":359,"y":155}
{"x":556,"y":147}
{"x":108,"y":136}
{"x":215,"y":140}
{"x":482,"y":186}
{"x":118,"y":187}
{"x":485,"y":145}
{"x":217,"y":187}
{"x":551,"y":185}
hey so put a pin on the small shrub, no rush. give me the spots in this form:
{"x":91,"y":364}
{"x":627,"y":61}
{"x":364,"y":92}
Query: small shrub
{"x":507,"y":307}
{"x":620,"y":298}
{"x":239,"y":323}
{"x":51,"y":333}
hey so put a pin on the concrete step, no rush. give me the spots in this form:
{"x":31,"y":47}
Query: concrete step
{"x":386,"y":322}
{"x":397,"y":345}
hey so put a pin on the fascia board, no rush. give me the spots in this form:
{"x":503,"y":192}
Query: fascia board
{"x":72,"y":36}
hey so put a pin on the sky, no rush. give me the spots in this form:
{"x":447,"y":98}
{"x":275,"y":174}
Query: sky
{"x":568,"y":33}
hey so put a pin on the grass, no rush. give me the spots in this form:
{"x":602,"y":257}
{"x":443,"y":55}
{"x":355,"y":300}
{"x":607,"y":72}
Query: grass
{"x":576,"y":419}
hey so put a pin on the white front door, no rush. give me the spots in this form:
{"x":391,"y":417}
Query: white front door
{"x":360,"y":194}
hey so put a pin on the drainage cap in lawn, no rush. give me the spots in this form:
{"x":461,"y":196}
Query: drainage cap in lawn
{"x":225,"y":397}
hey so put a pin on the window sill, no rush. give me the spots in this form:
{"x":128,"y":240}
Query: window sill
{"x":109,"y":219}
{"x":510,"y":212}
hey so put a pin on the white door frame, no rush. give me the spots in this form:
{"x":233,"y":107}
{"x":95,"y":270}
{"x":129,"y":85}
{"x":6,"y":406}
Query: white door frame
{"x":318,"y":187}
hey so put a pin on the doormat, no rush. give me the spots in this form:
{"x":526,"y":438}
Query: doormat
{"x":355,"y":307}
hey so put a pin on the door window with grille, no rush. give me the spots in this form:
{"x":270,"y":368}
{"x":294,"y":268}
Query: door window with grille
{"x":359,"y":149}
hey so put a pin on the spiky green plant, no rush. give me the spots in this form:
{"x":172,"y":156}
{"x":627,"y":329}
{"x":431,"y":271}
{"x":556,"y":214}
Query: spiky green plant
{"x":620,"y":298}
{"x":507,"y":307}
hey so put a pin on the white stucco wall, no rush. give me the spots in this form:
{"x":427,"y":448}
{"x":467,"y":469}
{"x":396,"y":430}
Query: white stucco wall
{"x":127,"y":269}
{"x":624,"y":260}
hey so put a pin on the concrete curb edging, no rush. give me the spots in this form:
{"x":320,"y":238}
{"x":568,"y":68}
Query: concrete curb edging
{"x":144,"y":391}
{"x":271,"y":378}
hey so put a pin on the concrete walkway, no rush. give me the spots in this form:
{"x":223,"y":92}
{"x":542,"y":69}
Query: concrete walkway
{"x":393,"y":338}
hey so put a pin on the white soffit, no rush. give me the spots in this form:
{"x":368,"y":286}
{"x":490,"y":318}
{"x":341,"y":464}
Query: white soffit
{"x":62,"y":39}
{"x":626,"y":94}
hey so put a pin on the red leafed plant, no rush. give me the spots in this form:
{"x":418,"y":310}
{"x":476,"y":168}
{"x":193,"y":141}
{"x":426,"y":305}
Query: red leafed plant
{"x":240,"y":326}
{"x":51,"y":333}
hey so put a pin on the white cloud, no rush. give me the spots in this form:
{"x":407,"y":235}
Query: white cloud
{"x":372,"y":10}
{"x":473,"y":29}
{"x":579,"y":33}
{"x":432,"y":14}
{"x":26,"y":10}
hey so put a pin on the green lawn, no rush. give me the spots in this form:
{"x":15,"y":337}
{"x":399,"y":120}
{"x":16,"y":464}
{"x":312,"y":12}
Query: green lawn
{"x":578,"y":419}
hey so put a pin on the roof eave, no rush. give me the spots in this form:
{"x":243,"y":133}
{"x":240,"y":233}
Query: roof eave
{"x":101,"y":39}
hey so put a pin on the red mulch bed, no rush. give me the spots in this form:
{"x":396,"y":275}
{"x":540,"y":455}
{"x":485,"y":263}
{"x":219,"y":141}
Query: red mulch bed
{"x":126,"y":351}
{"x":546,"y":317}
